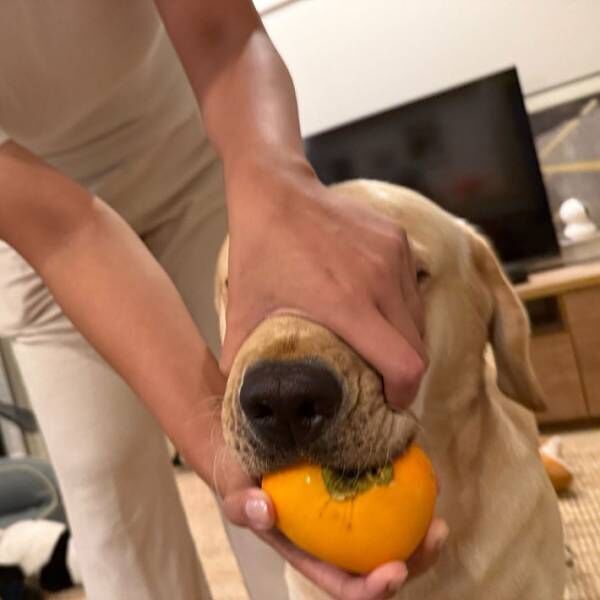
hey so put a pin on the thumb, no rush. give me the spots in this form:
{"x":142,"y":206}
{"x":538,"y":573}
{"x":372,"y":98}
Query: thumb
{"x":250,"y":508}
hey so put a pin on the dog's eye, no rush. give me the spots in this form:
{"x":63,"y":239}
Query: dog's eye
{"x":422,"y":276}
{"x":226,"y":282}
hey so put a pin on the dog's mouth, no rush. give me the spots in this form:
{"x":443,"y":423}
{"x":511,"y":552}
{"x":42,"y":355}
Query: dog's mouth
{"x":348,"y":477}
{"x":344,"y":476}
{"x":301,"y":410}
{"x":348,"y":450}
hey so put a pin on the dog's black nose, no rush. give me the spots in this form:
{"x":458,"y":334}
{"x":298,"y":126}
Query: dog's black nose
{"x":288,"y":402}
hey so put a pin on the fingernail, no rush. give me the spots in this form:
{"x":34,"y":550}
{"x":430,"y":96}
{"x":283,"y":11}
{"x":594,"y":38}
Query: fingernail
{"x":257,"y":511}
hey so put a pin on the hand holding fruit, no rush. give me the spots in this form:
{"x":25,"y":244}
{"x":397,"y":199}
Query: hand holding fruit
{"x":403,"y":503}
{"x":357,"y":522}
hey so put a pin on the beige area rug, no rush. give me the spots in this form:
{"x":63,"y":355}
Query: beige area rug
{"x":580,"y":509}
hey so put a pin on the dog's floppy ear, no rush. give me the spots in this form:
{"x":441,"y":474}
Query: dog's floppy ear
{"x":508,"y":330}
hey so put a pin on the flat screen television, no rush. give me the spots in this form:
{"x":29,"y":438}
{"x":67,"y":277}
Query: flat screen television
{"x":470,"y":149}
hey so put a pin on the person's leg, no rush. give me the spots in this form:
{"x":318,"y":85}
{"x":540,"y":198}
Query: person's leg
{"x":187,"y":247}
{"x":128,"y":524}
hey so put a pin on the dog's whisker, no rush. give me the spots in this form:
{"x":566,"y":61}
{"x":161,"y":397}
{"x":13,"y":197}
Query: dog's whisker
{"x":214,"y":479}
{"x":356,"y":401}
{"x":215,"y":428}
{"x":218,"y":458}
{"x":388,"y":448}
{"x":368,"y":462}
{"x":410,"y":413}
{"x":213,"y":413}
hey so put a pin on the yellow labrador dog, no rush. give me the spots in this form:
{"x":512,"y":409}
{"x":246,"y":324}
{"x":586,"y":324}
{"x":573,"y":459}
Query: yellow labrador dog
{"x":297,"y":391}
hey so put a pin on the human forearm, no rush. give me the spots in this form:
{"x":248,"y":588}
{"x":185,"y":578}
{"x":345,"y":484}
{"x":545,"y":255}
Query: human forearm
{"x":111,"y":288}
{"x":243,"y":88}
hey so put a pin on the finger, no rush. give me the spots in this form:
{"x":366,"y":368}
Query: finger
{"x":403,"y":366}
{"x":412,"y":307}
{"x":377,"y":585}
{"x":409,"y":297}
{"x":412,"y":293}
{"x":250,"y":508}
{"x":429,"y":550}
{"x":387,"y":350}
{"x":403,"y":309}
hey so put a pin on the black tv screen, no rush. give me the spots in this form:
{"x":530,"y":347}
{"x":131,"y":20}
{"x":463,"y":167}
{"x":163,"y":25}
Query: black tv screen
{"x":469,"y":149}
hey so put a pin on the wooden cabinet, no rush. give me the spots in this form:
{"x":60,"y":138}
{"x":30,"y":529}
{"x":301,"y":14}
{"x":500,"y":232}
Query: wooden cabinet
{"x":564,"y":309}
{"x":583,"y":313}
{"x":556,"y":367}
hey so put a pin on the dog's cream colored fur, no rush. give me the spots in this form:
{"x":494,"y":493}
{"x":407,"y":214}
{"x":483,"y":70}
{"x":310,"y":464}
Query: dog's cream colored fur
{"x":505,"y":538}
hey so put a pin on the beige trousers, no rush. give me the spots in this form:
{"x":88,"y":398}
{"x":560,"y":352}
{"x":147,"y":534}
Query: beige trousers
{"x":129,"y":528}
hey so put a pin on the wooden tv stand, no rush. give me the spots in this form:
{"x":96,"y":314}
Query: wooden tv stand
{"x":564,"y":307}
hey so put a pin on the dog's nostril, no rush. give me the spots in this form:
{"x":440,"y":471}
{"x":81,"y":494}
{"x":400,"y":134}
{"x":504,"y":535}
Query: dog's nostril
{"x":259,"y":410}
{"x":306,"y":410}
{"x":288,"y":402}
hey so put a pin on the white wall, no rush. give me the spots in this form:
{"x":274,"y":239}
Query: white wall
{"x":349,"y":58}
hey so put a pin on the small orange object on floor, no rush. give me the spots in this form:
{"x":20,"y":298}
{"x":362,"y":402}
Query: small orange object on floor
{"x":559,"y":473}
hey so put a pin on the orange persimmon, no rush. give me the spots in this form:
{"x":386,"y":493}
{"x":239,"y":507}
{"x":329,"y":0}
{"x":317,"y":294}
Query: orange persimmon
{"x":360,"y":522}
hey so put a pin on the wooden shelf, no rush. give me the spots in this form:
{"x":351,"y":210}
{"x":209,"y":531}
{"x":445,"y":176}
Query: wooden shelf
{"x":557,"y":281}
{"x":564,"y":308}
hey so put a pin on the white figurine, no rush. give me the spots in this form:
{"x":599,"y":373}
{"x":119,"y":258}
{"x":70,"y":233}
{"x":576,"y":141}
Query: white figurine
{"x":578,"y":225}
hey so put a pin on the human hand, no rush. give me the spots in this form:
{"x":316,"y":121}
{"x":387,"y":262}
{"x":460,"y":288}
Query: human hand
{"x":298,"y":247}
{"x":379,"y":584}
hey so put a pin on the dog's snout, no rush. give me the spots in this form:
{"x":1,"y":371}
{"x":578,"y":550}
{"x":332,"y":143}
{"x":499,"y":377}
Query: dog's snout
{"x":289,"y":402}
